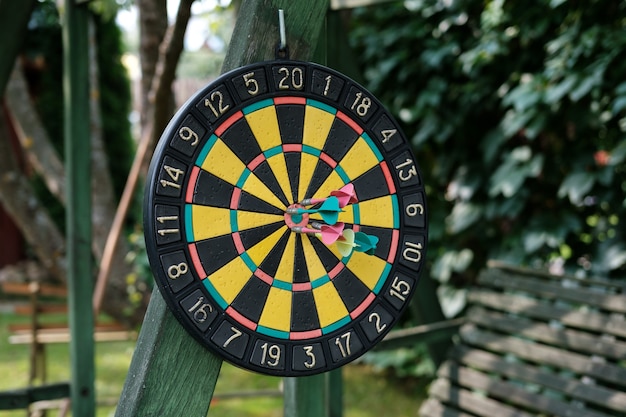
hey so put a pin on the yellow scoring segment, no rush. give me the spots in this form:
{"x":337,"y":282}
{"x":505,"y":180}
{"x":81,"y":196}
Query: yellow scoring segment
{"x":359,"y":159}
{"x":330,"y":307}
{"x":208,"y":222}
{"x":308,"y":163}
{"x":247,"y":219}
{"x":257,"y":188}
{"x":230,"y":279}
{"x":313,"y":263}
{"x":285,"y":267}
{"x":260,"y":251}
{"x":377,"y":212}
{"x":264,"y":126}
{"x":332,"y":183}
{"x":317,"y":124}
{"x":223,"y":163}
{"x":367,"y":268}
{"x":277,"y":310}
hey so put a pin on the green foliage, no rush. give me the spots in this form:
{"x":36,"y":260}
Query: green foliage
{"x":406,"y":362}
{"x":115,"y":101}
{"x":517,"y":112}
{"x":43,"y":65}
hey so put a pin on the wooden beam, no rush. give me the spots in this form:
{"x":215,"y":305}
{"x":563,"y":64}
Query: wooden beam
{"x":256,"y":33}
{"x":426,"y":333}
{"x":22,"y":398}
{"x":170,"y":373}
{"x":168,"y":363}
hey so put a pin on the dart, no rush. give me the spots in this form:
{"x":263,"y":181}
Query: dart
{"x":345,"y":245}
{"x":329,"y":210}
{"x":345,"y":195}
{"x":359,"y":241}
{"x":328,"y":233}
{"x":365,"y":243}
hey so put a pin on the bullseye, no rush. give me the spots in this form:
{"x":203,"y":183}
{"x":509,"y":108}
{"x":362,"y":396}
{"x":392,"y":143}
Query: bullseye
{"x":296,"y":219}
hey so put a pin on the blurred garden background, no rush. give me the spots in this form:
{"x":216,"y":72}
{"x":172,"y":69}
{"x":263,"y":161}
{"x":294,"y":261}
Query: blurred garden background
{"x":516,"y":112}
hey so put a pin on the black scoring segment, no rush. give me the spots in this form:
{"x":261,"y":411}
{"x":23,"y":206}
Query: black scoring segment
{"x":251,"y":237}
{"x":212,"y":191}
{"x":291,"y":122}
{"x":266,"y":175}
{"x":247,"y":301}
{"x":300,"y":272}
{"x":350,"y":288}
{"x":240,"y":139}
{"x":371,"y":184}
{"x":216,"y":252}
{"x":304,"y":312}
{"x":340,"y":139}
{"x":292,"y":161}
{"x":272,"y":260}
{"x":248,"y":202}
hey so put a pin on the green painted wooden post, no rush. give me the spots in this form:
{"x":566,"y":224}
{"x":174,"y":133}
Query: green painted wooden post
{"x":170,"y":373}
{"x":306,"y":396}
{"x":78,"y":211}
{"x":314,"y":396}
{"x":335,"y":393}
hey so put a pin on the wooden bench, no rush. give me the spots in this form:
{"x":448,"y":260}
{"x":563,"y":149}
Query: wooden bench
{"x":536,"y":344}
{"x":45,"y":300}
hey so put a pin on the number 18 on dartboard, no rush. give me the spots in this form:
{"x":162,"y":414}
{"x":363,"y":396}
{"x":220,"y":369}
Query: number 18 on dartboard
{"x":285,"y":218}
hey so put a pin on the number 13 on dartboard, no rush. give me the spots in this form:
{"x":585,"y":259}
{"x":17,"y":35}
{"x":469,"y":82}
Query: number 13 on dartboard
{"x":286,"y":218}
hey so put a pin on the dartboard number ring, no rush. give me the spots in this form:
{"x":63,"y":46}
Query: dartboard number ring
{"x":285,"y":218}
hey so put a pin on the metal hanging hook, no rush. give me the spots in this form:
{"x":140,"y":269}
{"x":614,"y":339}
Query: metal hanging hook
{"x":281,"y":26}
{"x":282,"y":51}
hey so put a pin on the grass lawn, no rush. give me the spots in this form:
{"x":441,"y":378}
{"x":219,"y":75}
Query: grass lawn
{"x":366,"y":393}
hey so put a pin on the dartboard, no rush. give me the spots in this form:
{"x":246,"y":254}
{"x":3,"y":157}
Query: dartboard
{"x":285,"y":218}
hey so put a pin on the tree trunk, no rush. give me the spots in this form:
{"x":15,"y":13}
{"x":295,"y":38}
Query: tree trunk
{"x":104,"y":205}
{"x":33,"y":137}
{"x":44,"y":159}
{"x":20,"y":201}
{"x":152,"y":27}
{"x":157,"y":109}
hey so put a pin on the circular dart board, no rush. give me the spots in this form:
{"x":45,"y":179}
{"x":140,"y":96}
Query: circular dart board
{"x":285,"y":218}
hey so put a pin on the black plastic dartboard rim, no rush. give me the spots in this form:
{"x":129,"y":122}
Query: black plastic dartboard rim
{"x":166,"y":199}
